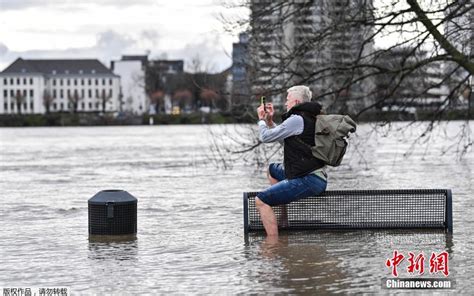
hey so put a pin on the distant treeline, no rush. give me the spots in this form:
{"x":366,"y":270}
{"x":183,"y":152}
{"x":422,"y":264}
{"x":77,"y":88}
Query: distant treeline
{"x":88,"y":119}
{"x":78,"y":119}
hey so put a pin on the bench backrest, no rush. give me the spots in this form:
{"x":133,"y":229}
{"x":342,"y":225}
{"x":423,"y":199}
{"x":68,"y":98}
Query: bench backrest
{"x":361,"y":209}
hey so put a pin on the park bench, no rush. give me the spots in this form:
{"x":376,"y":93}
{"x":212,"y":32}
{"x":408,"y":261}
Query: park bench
{"x":360,"y":209}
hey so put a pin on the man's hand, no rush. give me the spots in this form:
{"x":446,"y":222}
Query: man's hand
{"x":270,"y":111}
{"x":268,"y":115}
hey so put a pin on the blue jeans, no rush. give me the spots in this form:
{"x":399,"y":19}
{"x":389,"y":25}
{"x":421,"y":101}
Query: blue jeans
{"x":286,"y":191}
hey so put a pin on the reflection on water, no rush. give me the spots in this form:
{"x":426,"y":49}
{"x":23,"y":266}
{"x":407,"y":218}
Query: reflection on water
{"x":304,"y":266}
{"x":325,"y":262}
{"x":190,"y":234}
{"x":434,"y":237}
{"x":113,"y":250}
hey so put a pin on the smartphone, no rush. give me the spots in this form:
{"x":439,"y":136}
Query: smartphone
{"x":263,"y":101}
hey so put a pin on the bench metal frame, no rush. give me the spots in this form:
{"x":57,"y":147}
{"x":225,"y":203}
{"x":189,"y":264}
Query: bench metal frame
{"x":436,"y":204}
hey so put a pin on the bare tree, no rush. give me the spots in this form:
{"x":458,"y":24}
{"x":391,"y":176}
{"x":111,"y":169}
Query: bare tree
{"x":339,"y":59}
{"x":157,"y":98}
{"x":74,"y":100}
{"x":201,"y":82}
{"x":104,"y":99}
{"x":183,"y":98}
{"x":198,"y":65}
{"x":208,"y":97}
{"x":20,"y":99}
{"x":47,"y":100}
{"x":361,"y":56}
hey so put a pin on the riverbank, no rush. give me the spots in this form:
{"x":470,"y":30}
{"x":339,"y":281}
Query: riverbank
{"x":89,"y":119}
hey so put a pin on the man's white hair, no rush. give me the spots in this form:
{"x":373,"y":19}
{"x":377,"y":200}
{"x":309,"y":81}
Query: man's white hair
{"x":300,"y":92}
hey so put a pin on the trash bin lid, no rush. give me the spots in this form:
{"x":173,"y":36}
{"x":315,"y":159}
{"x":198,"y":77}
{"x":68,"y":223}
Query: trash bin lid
{"x":113,"y":195}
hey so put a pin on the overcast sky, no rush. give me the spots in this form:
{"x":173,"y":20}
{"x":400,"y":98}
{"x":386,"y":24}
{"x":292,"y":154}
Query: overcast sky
{"x":106,"y":29}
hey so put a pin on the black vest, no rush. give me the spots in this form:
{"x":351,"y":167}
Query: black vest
{"x":298,"y":159}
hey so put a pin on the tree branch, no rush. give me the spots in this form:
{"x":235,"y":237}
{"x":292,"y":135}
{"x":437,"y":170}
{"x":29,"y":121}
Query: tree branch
{"x":458,"y":57}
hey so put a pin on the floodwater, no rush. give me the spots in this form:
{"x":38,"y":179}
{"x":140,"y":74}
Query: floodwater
{"x":190,"y":231}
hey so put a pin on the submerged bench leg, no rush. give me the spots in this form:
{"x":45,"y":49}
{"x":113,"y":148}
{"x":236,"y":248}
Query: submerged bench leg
{"x":283,"y":217}
{"x":449,"y":211}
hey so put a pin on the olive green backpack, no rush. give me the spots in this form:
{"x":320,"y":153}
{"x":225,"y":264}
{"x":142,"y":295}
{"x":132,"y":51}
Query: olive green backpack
{"x":330,"y":135}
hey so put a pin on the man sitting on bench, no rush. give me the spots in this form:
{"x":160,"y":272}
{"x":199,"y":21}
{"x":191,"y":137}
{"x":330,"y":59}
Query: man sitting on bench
{"x":301,"y":174}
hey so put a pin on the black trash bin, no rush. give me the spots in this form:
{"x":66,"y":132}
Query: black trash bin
{"x":112,"y":212}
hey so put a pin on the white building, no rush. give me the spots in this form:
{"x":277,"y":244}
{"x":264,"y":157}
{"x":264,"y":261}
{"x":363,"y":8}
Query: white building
{"x":131,"y":70}
{"x":438,"y":91}
{"x":34,"y":86}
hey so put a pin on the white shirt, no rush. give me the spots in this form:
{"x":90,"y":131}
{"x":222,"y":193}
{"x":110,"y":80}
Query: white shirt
{"x":292,"y":126}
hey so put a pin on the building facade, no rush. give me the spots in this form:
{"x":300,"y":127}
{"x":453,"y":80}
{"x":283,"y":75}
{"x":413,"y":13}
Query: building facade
{"x":131,"y":70}
{"x":311,"y":42}
{"x":240,"y":84}
{"x":41,"y":86}
{"x":459,"y":30}
{"x":422,"y":89}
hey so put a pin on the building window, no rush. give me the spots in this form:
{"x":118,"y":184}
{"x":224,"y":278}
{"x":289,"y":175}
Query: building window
{"x":12,"y":93}
{"x":54,"y":93}
{"x":61,"y":94}
{"x":82,"y":93}
{"x":103,"y":81}
{"x":55,"y":106}
{"x":60,"y":82}
{"x":82,"y":81}
{"x":75,"y":81}
{"x":24,"y":92}
{"x":5,"y":81}
{"x":110,"y":93}
{"x":90,"y":93}
{"x":90,"y":105}
{"x":24,"y":81}
{"x":32,"y":93}
{"x":97,"y":82}
{"x":32,"y":106}
{"x":62,"y":106}
{"x":110,"y":81}
{"x":83,"y":106}
{"x":18,"y":81}
{"x":5,"y":106}
{"x":5,"y":93}
{"x":31,"y":81}
{"x":68,"y":93}
{"x":11,"y":81}
{"x":90,"y":82}
{"x":96,"y":93}
{"x":68,"y":81}
{"x":54,"y":82}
